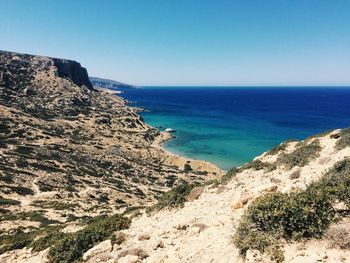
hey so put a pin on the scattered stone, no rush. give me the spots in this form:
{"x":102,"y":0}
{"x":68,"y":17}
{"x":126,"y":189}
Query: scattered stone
{"x":138,"y":252}
{"x":272,"y":188}
{"x":158,"y":244}
{"x":143,"y":237}
{"x":195,"y":193}
{"x":128,"y":259}
{"x":102,"y":247}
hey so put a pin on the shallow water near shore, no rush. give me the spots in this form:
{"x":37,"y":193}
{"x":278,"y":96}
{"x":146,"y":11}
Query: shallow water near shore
{"x":231,"y":126}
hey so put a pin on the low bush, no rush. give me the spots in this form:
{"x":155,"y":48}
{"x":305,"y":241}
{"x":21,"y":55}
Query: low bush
{"x":292,"y":216}
{"x":280,"y":147}
{"x":173,"y":198}
{"x":73,"y":245}
{"x":21,"y":190}
{"x":301,"y":156}
{"x":337,"y":182}
{"x":17,"y":240}
{"x":6,"y":201}
{"x":187,"y":168}
{"x":54,"y":205}
{"x":229,"y":175}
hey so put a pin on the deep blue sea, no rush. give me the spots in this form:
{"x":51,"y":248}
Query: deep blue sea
{"x":230,"y":126}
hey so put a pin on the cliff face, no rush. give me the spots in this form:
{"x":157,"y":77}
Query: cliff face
{"x":17,"y":69}
{"x":73,"y":71}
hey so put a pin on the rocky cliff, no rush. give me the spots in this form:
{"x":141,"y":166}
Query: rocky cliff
{"x":73,"y":71}
{"x":69,"y":152}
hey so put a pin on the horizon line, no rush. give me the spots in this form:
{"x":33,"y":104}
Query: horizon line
{"x":249,"y":86}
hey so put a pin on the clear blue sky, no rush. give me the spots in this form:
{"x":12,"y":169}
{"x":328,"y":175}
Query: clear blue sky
{"x":188,"y":42}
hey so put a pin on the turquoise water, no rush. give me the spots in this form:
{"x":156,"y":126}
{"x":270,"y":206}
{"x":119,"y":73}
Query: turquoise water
{"x":230,"y":126}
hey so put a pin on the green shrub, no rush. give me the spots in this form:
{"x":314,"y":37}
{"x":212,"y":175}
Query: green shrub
{"x":290,"y":216}
{"x":7,"y":178}
{"x":17,"y":240}
{"x":280,"y":147}
{"x":187,"y":168}
{"x":6,"y":201}
{"x":301,"y":156}
{"x":173,"y":198}
{"x":47,"y":239}
{"x":229,"y":175}
{"x":74,"y":245}
{"x":301,"y":214}
{"x":54,"y":205}
{"x":337,"y":182}
{"x":21,"y":190}
{"x":259,"y":165}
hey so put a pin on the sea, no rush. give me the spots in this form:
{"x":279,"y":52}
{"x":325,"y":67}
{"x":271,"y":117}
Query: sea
{"x":229,"y":126}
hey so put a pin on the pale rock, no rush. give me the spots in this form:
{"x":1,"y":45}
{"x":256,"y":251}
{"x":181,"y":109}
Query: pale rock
{"x":157,"y":244}
{"x":103,"y":247}
{"x":194,"y":231}
{"x":143,"y":237}
{"x":128,"y":259}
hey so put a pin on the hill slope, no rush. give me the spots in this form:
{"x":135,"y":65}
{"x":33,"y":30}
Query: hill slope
{"x":70,"y":151}
{"x":78,"y":166}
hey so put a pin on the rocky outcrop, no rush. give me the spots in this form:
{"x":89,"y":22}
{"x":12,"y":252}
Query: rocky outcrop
{"x":73,"y":71}
{"x":16,"y":68}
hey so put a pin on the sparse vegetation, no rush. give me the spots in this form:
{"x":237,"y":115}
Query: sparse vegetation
{"x":229,"y":175}
{"x":295,"y":215}
{"x":20,"y":190}
{"x":30,"y":216}
{"x":280,"y":147}
{"x":344,"y":140}
{"x":54,"y":205}
{"x":6,"y":201}
{"x":187,"y":168}
{"x":301,"y":156}
{"x":173,"y":198}
{"x":73,"y":245}
{"x":65,"y":247}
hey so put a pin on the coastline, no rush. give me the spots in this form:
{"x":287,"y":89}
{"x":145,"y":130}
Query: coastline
{"x":180,"y":161}
{"x":210,"y":170}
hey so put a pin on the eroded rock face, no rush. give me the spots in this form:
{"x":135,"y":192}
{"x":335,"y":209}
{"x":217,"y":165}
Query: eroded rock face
{"x":73,"y":71}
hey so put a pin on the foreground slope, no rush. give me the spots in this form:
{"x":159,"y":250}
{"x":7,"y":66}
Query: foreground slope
{"x":70,"y":151}
{"x":204,"y":228}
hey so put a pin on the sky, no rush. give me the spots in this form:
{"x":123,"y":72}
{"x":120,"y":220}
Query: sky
{"x":188,"y":42}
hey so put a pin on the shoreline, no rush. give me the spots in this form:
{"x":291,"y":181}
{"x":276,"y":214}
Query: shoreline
{"x":180,"y":160}
{"x":173,"y":159}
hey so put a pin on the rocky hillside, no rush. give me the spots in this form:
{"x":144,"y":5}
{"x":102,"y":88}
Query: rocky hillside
{"x":80,"y":172}
{"x":288,"y":205}
{"x":69,"y":151}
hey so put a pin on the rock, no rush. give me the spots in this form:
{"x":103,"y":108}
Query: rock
{"x":195,"y":193}
{"x":128,"y":259}
{"x":138,"y":253}
{"x":194,"y":231}
{"x":102,"y":247}
{"x":272,"y":188}
{"x":237,"y":205}
{"x":73,"y":71}
{"x":143,"y":237}
{"x":158,"y":244}
{"x":242,"y":202}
